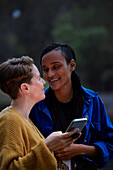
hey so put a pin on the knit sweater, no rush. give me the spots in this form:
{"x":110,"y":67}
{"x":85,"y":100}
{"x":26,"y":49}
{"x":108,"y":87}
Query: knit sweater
{"x":21,"y":146}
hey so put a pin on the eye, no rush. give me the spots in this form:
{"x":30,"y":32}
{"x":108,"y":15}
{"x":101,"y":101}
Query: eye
{"x":56,"y":67}
{"x":45,"y":69}
{"x":38,"y":77}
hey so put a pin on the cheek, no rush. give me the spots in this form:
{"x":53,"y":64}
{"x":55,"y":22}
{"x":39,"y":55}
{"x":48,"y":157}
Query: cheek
{"x":65,"y":72}
{"x":66,"y":75}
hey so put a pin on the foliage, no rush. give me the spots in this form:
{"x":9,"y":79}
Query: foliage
{"x":27,"y":26}
{"x":85,"y":29}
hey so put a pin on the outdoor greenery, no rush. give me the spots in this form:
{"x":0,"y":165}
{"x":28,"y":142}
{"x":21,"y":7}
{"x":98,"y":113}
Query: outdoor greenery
{"x":88,"y":29}
{"x":28,"y":26}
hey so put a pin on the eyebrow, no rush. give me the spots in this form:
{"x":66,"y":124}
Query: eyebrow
{"x":51,"y":63}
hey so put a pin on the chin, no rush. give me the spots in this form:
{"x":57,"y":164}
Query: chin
{"x":55,"y":88}
{"x":43,"y":97}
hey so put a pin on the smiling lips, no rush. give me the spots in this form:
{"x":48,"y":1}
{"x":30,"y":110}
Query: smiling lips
{"x":53,"y":80}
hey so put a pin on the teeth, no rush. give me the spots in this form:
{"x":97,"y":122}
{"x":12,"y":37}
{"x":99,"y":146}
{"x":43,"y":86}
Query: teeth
{"x":54,"y":80}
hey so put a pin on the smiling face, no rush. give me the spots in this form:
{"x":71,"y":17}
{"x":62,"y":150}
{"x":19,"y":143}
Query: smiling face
{"x":56,"y":71}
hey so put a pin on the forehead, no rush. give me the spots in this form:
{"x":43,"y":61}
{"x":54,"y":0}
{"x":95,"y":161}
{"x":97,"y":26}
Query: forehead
{"x":52,"y":57}
{"x":35,"y":70}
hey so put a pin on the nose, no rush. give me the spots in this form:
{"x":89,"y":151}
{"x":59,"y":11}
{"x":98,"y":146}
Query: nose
{"x":50,"y":73}
{"x":43,"y":81}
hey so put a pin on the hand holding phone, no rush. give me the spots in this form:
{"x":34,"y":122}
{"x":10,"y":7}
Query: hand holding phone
{"x":77,"y":124}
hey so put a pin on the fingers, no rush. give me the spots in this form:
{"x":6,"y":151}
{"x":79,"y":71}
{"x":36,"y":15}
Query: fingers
{"x":58,"y":140}
{"x":58,"y":156}
{"x":75,"y":137}
{"x":61,"y":156}
{"x":67,"y":141}
{"x":68,"y":134}
{"x":64,"y":140}
{"x":62,"y":143}
{"x":56,"y":133}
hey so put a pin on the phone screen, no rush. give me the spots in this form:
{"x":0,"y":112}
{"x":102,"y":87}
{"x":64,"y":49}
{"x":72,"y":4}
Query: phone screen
{"x":77,"y":124}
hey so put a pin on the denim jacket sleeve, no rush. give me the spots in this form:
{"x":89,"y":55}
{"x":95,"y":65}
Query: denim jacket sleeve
{"x":100,"y":132}
{"x":41,"y":117}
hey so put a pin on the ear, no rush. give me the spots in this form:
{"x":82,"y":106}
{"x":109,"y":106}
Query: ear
{"x":24,"y":87}
{"x":72,"y":65}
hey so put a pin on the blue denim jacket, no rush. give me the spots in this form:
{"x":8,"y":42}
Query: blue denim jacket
{"x":99,"y":129}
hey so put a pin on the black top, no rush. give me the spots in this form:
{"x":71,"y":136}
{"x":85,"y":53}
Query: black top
{"x":63,"y":113}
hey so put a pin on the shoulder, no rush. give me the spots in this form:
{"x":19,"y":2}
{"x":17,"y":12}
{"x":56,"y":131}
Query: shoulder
{"x":89,"y":92}
{"x":10,"y":117}
{"x":91,"y":96}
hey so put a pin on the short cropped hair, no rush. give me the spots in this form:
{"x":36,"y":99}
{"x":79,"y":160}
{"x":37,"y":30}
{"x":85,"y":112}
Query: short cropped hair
{"x":69,"y":54}
{"x":66,"y":50}
{"x":13,"y":73}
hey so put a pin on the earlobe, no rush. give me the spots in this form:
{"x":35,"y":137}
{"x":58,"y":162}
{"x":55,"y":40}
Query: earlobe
{"x":73,"y":68}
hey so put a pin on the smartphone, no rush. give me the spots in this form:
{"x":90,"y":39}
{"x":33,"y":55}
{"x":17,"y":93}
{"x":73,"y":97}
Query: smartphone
{"x":77,"y":124}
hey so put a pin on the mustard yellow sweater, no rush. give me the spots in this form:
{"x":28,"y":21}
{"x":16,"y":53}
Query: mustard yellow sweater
{"x":21,"y":147}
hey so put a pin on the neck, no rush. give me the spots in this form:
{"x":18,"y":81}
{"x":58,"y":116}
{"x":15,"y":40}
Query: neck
{"x":22,"y":107}
{"x":64,"y":95}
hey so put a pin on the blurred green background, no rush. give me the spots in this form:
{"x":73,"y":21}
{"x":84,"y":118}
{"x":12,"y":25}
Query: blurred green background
{"x":26,"y":27}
